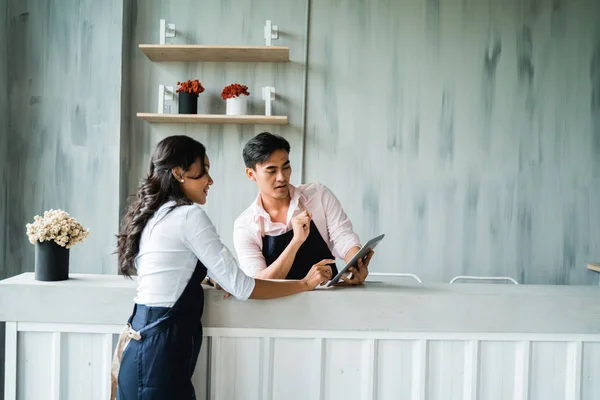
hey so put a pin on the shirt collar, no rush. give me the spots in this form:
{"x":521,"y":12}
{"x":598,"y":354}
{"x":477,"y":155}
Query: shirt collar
{"x":297,"y":199}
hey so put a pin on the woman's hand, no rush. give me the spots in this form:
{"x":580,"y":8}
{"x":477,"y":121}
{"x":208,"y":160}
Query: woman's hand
{"x":319,"y":274}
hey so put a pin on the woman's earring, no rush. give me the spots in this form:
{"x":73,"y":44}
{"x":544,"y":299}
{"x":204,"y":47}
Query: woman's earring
{"x":181,"y":180}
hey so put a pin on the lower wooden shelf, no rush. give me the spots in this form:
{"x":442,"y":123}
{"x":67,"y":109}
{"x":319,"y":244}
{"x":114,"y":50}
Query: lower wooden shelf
{"x":214,"y":119}
{"x":594,"y":267}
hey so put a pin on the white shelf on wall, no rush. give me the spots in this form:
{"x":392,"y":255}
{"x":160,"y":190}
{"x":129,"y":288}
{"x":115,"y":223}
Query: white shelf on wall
{"x":214,"y":119}
{"x":194,"y":53}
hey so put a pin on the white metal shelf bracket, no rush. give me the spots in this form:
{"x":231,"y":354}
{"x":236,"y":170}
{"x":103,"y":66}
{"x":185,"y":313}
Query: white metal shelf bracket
{"x":164,"y":93}
{"x":166,"y":31}
{"x":268,"y":95}
{"x":271,"y":32}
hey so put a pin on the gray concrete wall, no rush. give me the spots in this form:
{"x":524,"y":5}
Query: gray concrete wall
{"x":4,"y":133}
{"x":64,"y":76}
{"x":126,"y":133}
{"x":466,"y":131}
{"x":222,"y":22}
{"x":3,"y":164}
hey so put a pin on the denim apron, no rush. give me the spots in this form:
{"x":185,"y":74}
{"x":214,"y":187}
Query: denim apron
{"x":159,"y":361}
{"x":313,"y":250}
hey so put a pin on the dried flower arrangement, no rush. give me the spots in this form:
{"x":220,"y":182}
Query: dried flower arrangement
{"x":234,"y":90}
{"x":59,"y":226}
{"x":191,"y":87}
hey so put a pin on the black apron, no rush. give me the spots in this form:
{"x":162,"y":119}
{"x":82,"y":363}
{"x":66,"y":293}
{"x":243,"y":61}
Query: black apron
{"x":313,"y":250}
{"x":159,"y":364}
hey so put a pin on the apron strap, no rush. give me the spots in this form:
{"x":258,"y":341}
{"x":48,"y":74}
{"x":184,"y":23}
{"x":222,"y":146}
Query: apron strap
{"x":152,"y":329}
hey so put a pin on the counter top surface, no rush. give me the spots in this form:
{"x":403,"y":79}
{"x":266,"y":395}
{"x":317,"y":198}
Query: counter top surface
{"x":374,"y":306}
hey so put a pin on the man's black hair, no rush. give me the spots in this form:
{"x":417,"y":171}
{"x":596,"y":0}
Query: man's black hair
{"x":260,"y":147}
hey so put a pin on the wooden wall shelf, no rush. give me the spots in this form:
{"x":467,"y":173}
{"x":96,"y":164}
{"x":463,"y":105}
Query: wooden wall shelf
{"x":214,"y":119}
{"x":191,"y":53}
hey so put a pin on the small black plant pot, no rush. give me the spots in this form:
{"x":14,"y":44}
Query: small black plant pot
{"x":51,"y":262}
{"x":188,"y":103}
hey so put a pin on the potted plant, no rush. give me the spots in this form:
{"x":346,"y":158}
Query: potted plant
{"x":236,"y":97}
{"x":188,"y":96}
{"x":53,"y":235}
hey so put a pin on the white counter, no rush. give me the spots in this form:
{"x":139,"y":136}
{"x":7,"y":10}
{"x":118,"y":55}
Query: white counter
{"x":379,"y":340}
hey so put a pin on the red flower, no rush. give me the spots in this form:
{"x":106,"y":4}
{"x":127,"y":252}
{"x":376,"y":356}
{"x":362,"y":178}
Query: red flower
{"x":191,"y":87}
{"x":234,"y":90}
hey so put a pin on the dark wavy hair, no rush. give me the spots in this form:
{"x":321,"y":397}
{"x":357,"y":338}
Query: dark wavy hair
{"x":158,"y":188}
{"x":260,"y":147}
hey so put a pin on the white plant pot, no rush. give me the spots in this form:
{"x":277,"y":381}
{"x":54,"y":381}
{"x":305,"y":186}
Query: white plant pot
{"x":237,"y":105}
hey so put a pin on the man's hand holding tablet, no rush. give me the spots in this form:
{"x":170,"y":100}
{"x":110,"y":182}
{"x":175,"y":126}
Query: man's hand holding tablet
{"x":355,"y":265}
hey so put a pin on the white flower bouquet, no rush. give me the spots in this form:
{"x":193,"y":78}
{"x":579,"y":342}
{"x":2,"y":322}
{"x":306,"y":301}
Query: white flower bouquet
{"x":59,"y":226}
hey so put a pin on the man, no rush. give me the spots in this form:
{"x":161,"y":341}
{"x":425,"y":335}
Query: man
{"x":288,"y":229}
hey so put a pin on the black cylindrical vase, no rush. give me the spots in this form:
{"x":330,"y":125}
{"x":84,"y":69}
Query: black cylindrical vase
{"x":188,"y":103}
{"x":51,"y":261}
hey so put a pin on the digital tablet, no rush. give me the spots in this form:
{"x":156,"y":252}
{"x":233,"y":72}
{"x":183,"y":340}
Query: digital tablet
{"x":362,"y":253}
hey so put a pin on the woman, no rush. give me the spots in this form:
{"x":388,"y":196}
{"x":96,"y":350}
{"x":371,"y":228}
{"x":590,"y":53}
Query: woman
{"x":170,"y":242}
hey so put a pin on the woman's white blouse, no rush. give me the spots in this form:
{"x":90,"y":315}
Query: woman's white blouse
{"x":170,"y":246}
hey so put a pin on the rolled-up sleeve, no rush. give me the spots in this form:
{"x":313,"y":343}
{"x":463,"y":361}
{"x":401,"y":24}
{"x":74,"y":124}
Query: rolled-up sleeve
{"x":201,"y":237}
{"x":247,"y":249}
{"x":339,"y":226}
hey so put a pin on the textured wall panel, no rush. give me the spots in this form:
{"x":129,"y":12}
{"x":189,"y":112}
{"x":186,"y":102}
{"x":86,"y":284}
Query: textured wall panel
{"x":237,"y":366}
{"x":295,"y":380}
{"x":467,"y":131}
{"x":214,"y":23}
{"x":590,"y":389}
{"x":322,"y":365}
{"x":64,"y":92}
{"x":343,"y":368}
{"x":445,"y":369}
{"x":497,"y":370}
{"x":4,"y":123}
{"x":83,"y":366}
{"x":34,"y":359}
{"x":397,"y":356}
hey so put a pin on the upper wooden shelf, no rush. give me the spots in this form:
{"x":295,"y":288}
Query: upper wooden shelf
{"x":214,"y":119}
{"x":193,"y":52}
